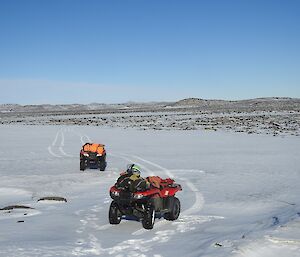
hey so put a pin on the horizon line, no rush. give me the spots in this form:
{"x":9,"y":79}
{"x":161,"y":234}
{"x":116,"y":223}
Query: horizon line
{"x":156,"y":101}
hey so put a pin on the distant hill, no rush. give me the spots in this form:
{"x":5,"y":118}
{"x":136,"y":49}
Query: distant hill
{"x":197,"y":102}
{"x":268,"y":103}
{"x":46,"y":108}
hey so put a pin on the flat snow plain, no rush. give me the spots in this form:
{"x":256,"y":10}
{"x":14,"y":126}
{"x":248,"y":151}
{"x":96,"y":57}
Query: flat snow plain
{"x":240,"y":193}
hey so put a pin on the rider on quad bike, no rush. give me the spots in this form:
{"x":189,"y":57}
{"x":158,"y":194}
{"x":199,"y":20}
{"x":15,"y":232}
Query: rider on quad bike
{"x":93,"y":156}
{"x":131,"y":180}
{"x":143,"y":199}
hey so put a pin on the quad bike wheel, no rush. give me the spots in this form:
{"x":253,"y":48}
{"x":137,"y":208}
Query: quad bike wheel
{"x":149,"y":217}
{"x":114,"y":213}
{"x":174,"y":205}
{"x":102,"y":166}
{"x":82,"y":165}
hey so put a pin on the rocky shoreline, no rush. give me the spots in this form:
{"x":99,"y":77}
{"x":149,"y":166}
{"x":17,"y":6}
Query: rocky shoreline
{"x":274,"y":116}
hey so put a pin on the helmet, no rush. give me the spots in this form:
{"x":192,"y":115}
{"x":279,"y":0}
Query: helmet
{"x":133,"y":169}
{"x":129,"y":166}
{"x":136,"y":170}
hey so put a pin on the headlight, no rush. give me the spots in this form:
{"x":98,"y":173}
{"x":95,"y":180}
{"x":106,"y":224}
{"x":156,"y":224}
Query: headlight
{"x":86,"y":154}
{"x":115,"y":193}
{"x":98,"y":154}
{"x":138,"y":196}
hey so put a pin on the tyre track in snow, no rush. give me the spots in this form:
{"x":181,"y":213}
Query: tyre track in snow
{"x":82,"y":136}
{"x":85,"y":141}
{"x":53,"y":144}
{"x":56,"y":137}
{"x":62,"y":144}
{"x":49,"y":148}
{"x":59,"y":134}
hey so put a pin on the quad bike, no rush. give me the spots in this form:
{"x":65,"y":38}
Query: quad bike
{"x":93,"y":156}
{"x":158,"y":201}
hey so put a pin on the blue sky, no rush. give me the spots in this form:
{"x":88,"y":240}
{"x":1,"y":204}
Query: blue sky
{"x":71,"y":51}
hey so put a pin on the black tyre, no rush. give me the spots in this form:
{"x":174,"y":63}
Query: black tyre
{"x":102,"y":166}
{"x":149,"y":217}
{"x":114,"y":215}
{"x":82,"y":165}
{"x":174,"y":206}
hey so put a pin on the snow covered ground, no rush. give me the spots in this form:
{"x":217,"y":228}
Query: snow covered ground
{"x":240,"y":193}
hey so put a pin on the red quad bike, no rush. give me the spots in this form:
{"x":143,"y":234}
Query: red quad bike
{"x":146,"y":205}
